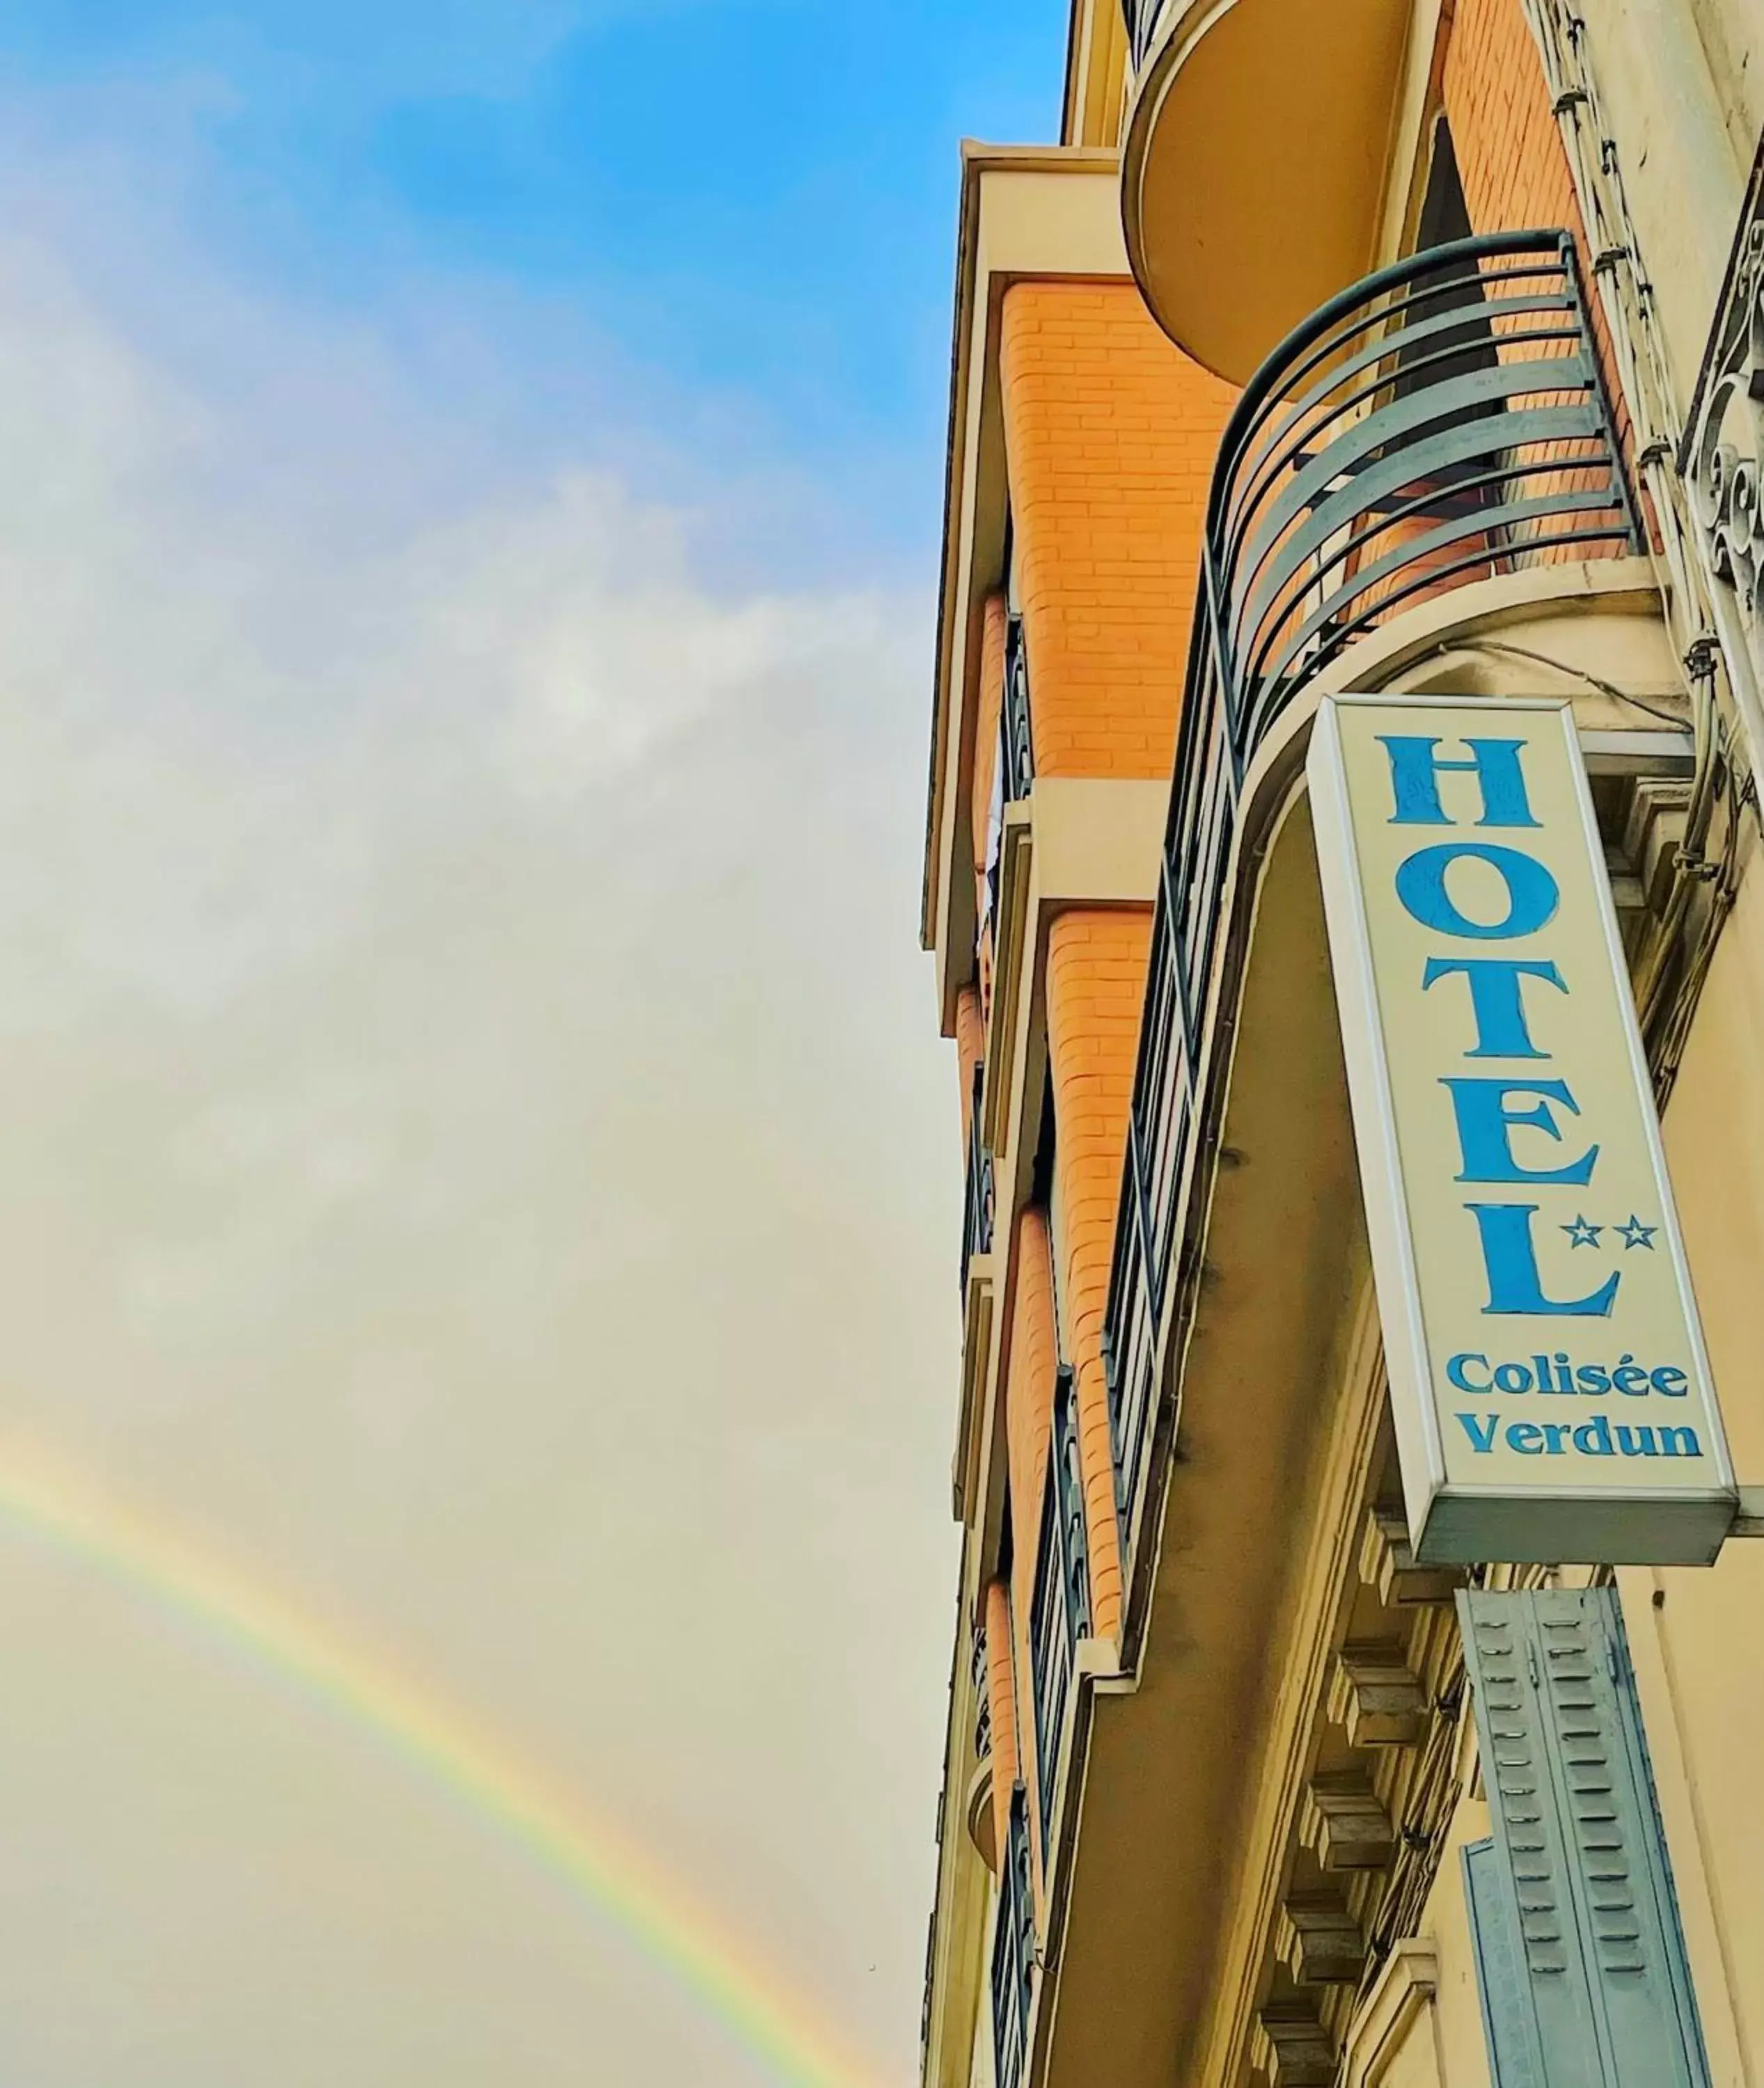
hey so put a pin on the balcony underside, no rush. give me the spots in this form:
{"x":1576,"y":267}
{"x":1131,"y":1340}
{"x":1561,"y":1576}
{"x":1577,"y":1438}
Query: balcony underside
{"x":1152,"y":1867}
{"x":1255,"y":1383}
{"x":1254,"y":168}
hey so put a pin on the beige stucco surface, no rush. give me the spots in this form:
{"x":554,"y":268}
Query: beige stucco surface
{"x":1710,"y":1627}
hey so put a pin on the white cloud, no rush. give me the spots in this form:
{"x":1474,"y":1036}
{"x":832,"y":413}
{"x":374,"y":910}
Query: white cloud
{"x":472,"y":1141}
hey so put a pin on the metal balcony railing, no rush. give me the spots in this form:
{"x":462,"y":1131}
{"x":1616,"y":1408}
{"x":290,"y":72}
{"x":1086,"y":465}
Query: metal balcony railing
{"x":1017,"y":747}
{"x":1014,"y":767}
{"x":977,"y":1201}
{"x":1443,"y":421}
{"x":1061,"y":1614}
{"x":1013,"y":1952}
{"x":982,"y":1696}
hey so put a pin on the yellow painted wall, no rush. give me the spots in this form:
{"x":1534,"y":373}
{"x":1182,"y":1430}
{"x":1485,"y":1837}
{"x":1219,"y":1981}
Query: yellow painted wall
{"x":1710,"y":1624}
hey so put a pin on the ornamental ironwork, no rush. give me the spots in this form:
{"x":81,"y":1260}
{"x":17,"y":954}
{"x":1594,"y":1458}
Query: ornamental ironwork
{"x":1722,"y":448}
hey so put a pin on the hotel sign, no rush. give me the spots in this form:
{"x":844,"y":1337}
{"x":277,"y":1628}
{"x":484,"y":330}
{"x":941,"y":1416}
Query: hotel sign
{"x":1551,"y":1394}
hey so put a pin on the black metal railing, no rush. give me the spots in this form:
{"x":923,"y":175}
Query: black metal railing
{"x":977,"y":1201}
{"x":1016,"y":745}
{"x":982,"y":1696}
{"x":1443,"y":421}
{"x":1014,"y":766}
{"x":1061,"y":1615}
{"x":1013,"y":1951}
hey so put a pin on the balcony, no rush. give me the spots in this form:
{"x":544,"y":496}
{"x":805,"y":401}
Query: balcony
{"x":1045,"y":214}
{"x":1061,"y":1615}
{"x":1013,"y":1952}
{"x":1250,"y":192}
{"x":1055,"y":842}
{"x":1441,"y":423}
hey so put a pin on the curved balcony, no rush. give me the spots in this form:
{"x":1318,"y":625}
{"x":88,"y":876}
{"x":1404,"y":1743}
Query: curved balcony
{"x":1251,"y":192}
{"x":1444,"y":422}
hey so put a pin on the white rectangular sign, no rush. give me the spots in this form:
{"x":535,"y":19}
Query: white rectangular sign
{"x":1551,"y":1394}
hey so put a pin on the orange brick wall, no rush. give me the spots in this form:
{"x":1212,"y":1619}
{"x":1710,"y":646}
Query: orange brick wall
{"x":1511,"y":158}
{"x":1030,"y":1396}
{"x":971,"y":1046}
{"x":1515,"y":172}
{"x":1111,"y":434}
{"x":1096,"y":988}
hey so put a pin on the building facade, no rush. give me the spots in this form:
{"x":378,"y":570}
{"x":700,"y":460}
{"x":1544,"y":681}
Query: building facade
{"x":1399,"y":348}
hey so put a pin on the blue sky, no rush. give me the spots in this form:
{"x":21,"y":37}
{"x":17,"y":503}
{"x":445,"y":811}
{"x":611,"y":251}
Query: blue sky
{"x":478,"y":1152}
{"x":753,"y":198}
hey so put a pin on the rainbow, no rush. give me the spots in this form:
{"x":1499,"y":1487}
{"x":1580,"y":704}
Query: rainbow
{"x":599,"y":1864}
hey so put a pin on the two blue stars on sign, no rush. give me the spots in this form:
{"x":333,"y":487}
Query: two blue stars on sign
{"x":1634,"y":1234}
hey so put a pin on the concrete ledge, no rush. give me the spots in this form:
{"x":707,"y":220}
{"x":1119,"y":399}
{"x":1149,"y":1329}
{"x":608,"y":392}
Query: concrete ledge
{"x":976,"y":1361}
{"x":1404,"y":1989}
{"x":1097,"y":841}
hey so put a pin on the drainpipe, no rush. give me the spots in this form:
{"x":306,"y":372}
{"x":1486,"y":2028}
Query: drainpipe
{"x":1685,"y":187}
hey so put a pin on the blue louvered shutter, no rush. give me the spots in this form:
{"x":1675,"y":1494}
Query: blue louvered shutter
{"x":1586,"y":1982}
{"x":1508,"y":2016}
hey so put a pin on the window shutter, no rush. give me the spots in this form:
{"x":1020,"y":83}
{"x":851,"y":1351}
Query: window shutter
{"x":1507,"y":2014}
{"x":1585,"y":1979}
